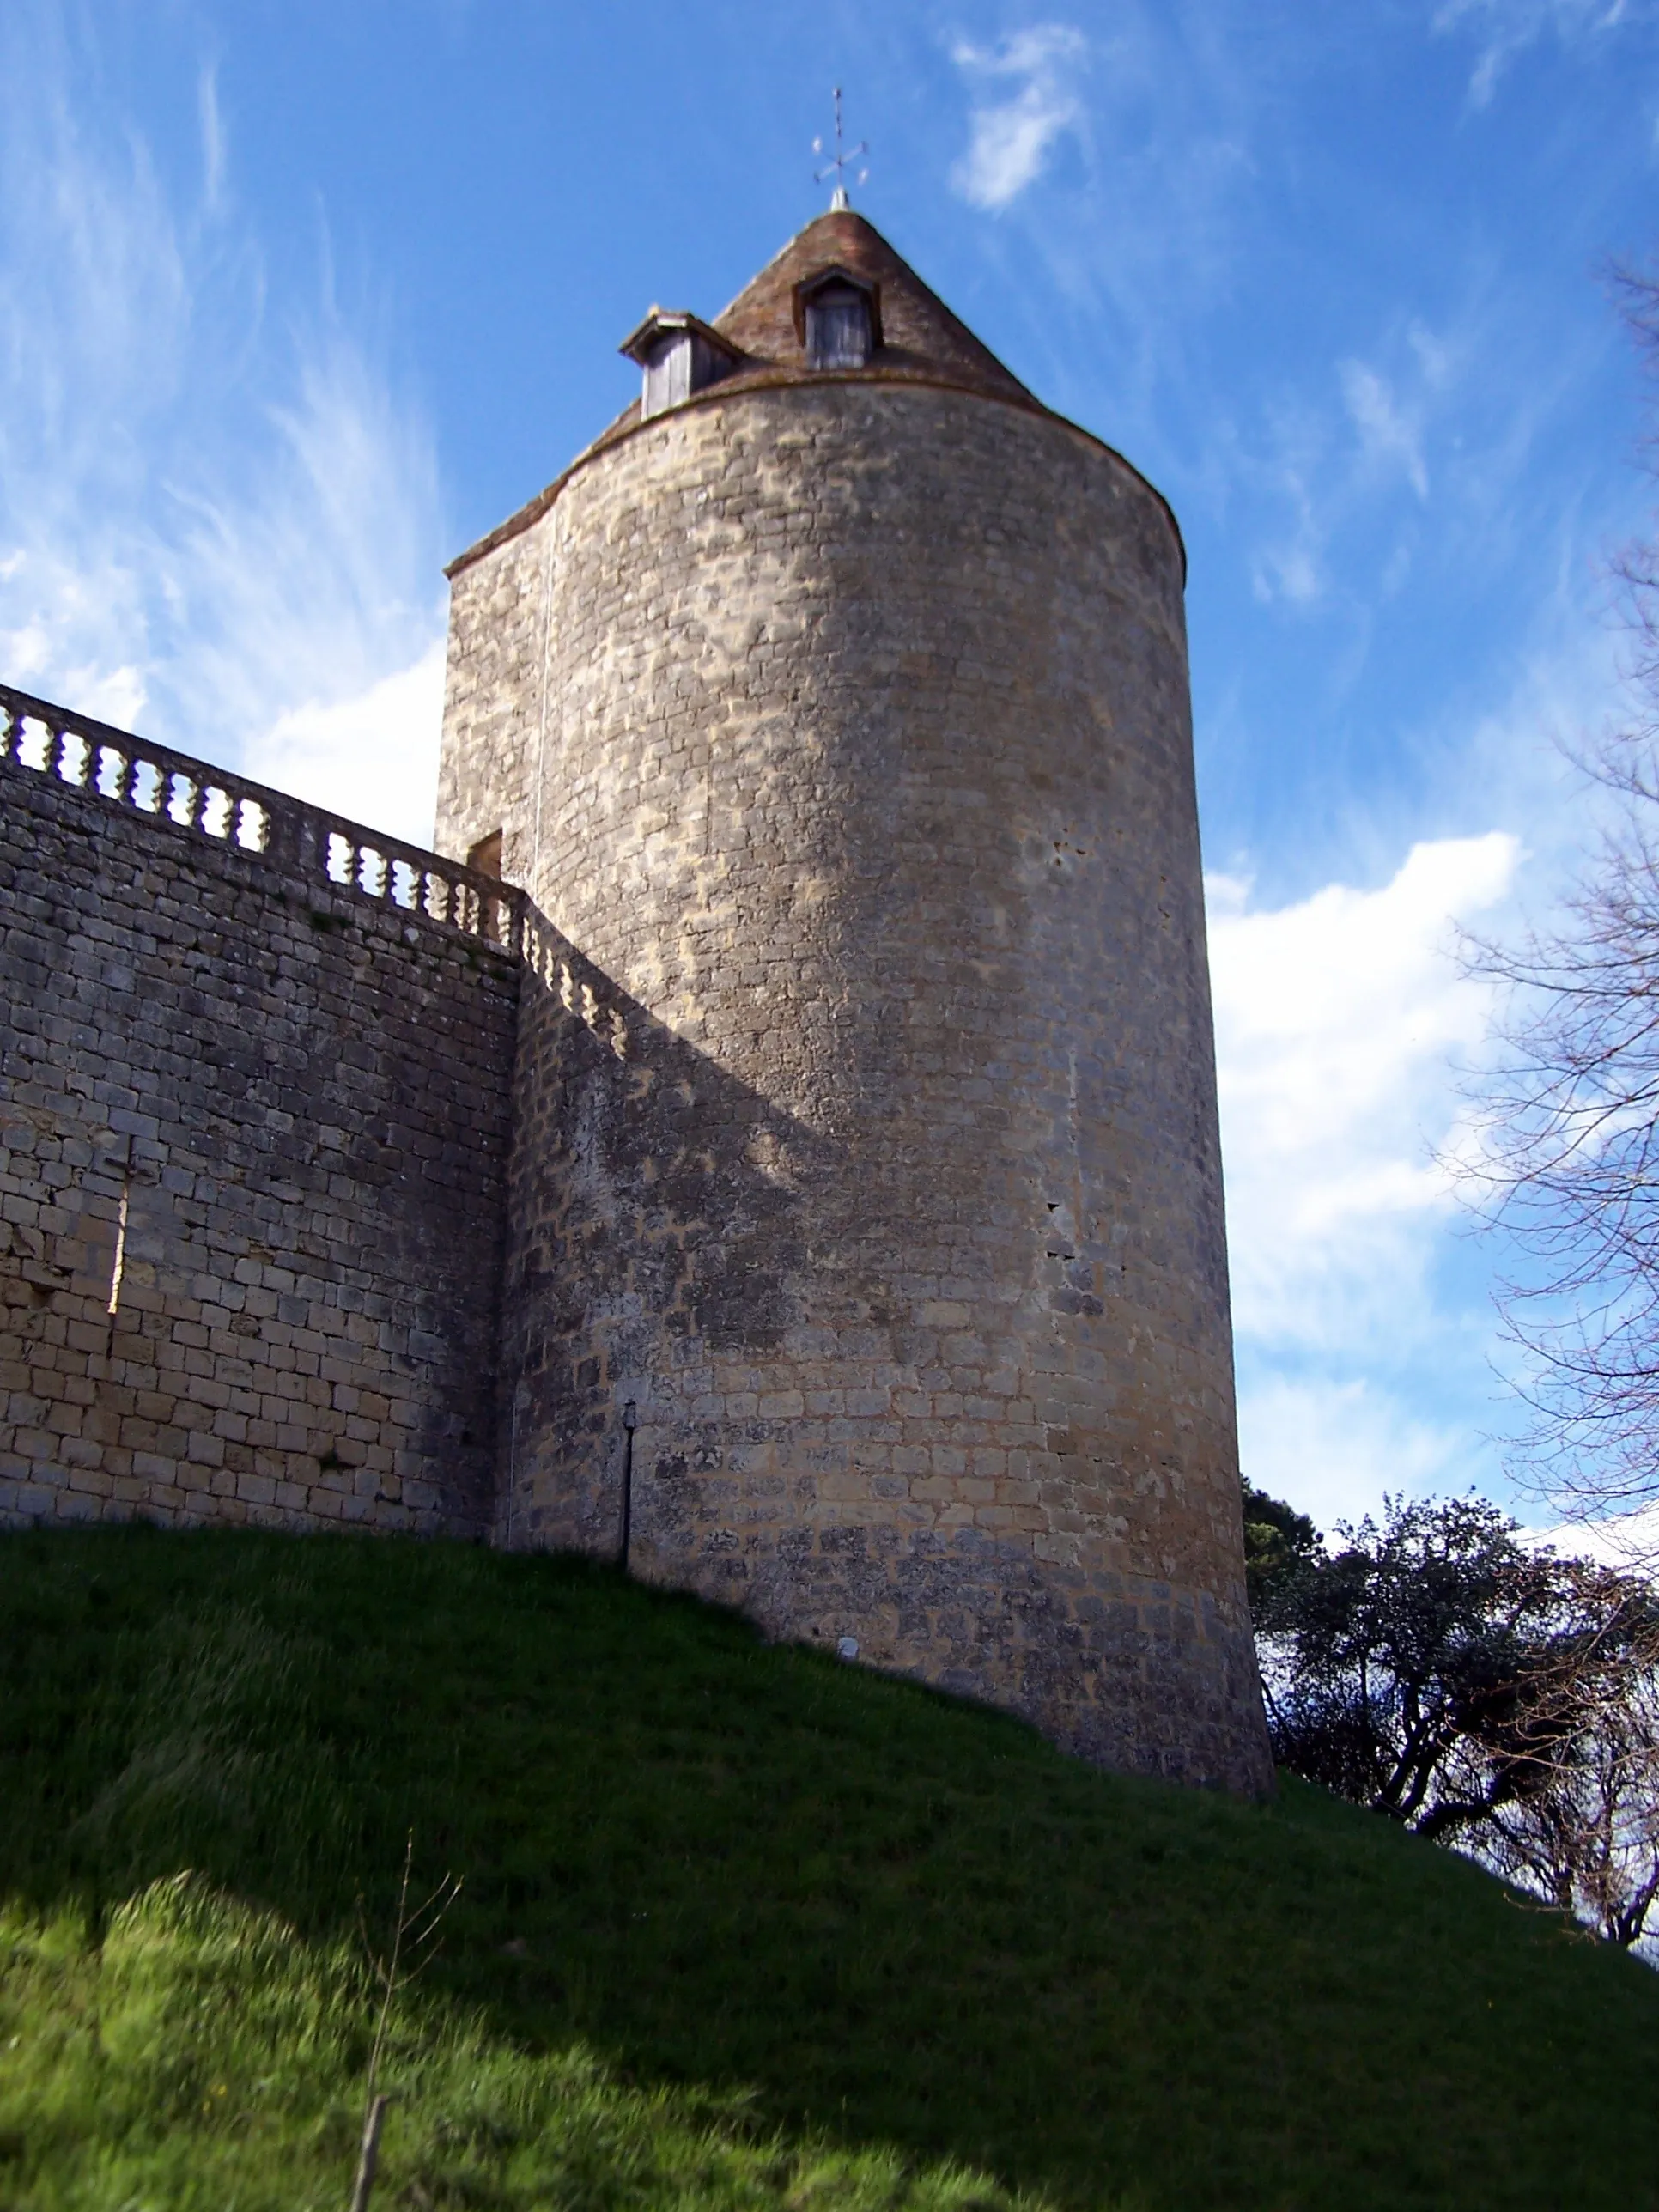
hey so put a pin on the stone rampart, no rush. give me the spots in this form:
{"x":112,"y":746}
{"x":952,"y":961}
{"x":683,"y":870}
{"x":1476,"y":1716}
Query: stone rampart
{"x":776,"y":1148}
{"x":255,"y":1086}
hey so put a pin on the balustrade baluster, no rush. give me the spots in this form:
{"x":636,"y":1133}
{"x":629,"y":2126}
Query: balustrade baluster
{"x":115,"y":768}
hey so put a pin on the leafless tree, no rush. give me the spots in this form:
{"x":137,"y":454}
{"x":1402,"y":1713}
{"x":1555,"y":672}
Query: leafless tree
{"x":1570,"y":1101}
{"x":413,"y":1942}
{"x":1577,"y":1820}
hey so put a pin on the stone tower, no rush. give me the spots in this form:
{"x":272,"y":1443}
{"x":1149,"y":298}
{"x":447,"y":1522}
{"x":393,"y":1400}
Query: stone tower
{"x":866,"y":1264}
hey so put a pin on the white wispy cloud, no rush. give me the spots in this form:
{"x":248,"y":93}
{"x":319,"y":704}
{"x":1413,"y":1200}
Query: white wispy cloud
{"x":213,"y":141}
{"x":375,"y":755}
{"x":1291,"y":482}
{"x":1337,"y":1023}
{"x":1504,"y":28}
{"x":1620,"y":1540}
{"x":1334,"y":1447}
{"x":216,"y":514}
{"x":1350,"y":1045}
{"x":1330,"y":463}
{"x":1116,"y":147}
{"x":1025,"y":97}
{"x":1388,"y":433}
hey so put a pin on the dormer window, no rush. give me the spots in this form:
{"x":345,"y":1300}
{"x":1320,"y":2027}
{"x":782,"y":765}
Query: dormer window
{"x":679,"y":355}
{"x":837,"y":328}
{"x":838,"y":318}
{"x":667,"y":374}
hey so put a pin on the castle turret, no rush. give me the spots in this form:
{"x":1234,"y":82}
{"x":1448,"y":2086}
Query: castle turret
{"x":867,"y":1262}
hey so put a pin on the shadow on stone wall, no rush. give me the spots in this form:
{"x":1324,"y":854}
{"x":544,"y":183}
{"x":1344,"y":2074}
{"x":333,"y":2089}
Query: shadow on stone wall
{"x":663,"y":1214}
{"x":686,"y":1262}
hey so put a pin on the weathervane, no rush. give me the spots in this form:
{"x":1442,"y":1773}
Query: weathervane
{"x":838,"y":168}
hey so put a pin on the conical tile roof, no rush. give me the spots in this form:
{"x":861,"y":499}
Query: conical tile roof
{"x":921,"y":342}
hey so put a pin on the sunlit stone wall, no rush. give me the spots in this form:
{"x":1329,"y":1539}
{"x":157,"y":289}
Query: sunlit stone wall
{"x":866,"y":1264}
{"x":254,"y":1138}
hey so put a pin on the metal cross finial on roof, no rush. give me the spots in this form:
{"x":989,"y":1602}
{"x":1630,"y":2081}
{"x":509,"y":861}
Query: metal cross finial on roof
{"x":838,"y":168}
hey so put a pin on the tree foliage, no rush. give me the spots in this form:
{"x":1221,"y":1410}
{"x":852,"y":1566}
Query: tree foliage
{"x":1441,"y":1671}
{"x":1277,"y":1541}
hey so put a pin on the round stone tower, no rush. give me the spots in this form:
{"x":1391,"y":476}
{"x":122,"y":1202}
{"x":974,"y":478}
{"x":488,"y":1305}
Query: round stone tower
{"x":867,"y":1265}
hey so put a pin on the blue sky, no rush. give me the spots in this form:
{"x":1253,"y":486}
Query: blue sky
{"x":297,"y":300}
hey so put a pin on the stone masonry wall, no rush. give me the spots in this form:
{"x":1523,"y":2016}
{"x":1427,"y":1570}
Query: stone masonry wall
{"x":866,"y":1159}
{"x":254,"y":1135}
{"x":494,"y":705}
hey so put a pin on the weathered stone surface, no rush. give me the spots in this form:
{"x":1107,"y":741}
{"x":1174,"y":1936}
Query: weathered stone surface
{"x":843,"y":726}
{"x":299,"y":1102}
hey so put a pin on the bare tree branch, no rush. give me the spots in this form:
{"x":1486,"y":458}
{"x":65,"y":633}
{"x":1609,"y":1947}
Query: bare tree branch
{"x":1569,"y":1106}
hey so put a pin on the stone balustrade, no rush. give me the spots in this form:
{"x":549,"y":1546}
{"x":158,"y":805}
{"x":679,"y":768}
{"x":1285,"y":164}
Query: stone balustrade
{"x":41,"y":738}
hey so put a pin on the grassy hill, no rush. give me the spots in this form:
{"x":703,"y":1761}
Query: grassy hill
{"x":740,"y":1926}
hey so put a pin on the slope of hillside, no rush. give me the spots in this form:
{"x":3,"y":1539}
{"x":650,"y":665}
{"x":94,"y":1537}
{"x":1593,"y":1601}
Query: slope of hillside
{"x":739,"y":1924}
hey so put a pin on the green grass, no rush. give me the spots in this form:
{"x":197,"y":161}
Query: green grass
{"x":740,"y":1925}
{"x":199,"y":2054}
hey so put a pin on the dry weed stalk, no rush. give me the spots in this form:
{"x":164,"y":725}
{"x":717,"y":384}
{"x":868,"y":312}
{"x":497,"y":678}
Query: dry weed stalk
{"x":414,"y":1938}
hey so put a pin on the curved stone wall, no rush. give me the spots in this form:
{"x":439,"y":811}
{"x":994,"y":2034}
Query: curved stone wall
{"x":867,"y":1160}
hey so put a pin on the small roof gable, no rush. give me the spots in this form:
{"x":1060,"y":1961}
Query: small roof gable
{"x":664,"y":322}
{"x":919,"y":335}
